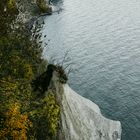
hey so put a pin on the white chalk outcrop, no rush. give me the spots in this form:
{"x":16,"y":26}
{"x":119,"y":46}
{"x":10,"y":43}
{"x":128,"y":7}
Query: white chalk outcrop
{"x":82,"y":119}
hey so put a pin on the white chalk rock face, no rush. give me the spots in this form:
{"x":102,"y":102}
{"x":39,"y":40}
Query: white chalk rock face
{"x":82,"y":119}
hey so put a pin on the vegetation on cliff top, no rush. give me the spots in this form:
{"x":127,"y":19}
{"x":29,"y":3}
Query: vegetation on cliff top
{"x":23,"y":115}
{"x":44,"y":7}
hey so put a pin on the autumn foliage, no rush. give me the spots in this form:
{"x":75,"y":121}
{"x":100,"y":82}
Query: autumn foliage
{"x":16,"y":124}
{"x":22,"y":115}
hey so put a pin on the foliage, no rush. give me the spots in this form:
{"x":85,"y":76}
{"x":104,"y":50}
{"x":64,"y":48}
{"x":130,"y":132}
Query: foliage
{"x":62,"y":75}
{"x":22,"y":115}
{"x":15,"y":125}
{"x":42,"y":82}
{"x":44,"y":7}
{"x":18,"y":55}
{"x":8,"y":12}
{"x":11,"y":4}
{"x":52,"y":111}
{"x":46,"y":115}
{"x":14,"y":98}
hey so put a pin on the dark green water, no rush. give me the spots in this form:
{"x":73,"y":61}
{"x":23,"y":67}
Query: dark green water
{"x":103,"y":39}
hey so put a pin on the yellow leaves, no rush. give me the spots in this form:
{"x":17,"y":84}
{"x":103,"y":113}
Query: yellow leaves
{"x":3,"y":133}
{"x":46,"y":116}
{"x":52,"y":111}
{"x":28,"y":71}
{"x":42,"y":5}
{"x":11,"y":4}
{"x":6,"y":86}
{"x":20,"y":57}
{"x":18,"y":67}
{"x":16,"y":124}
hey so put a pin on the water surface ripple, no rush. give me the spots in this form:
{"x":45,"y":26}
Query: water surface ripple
{"x":103,"y":39}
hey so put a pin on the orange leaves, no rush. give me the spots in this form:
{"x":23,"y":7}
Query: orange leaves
{"x":15,"y":96}
{"x":16,"y":124}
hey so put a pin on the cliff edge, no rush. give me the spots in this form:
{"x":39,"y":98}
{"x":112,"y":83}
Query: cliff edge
{"x":81,"y":119}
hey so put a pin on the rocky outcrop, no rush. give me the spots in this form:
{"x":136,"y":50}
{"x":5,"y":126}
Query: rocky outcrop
{"x":81,"y":119}
{"x":32,"y":9}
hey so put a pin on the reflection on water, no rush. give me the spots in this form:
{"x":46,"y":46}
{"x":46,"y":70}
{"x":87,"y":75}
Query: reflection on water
{"x":103,"y":39}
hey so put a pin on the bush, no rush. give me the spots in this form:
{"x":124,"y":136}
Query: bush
{"x":15,"y":124}
{"x":43,"y":6}
{"x":20,"y":58}
{"x":46,"y":117}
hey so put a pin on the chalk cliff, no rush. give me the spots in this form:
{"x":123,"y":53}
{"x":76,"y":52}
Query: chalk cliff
{"x":82,"y":120}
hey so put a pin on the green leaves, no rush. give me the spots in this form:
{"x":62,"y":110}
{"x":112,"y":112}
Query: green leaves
{"x":52,"y":111}
{"x":45,"y":116}
{"x":8,"y":13}
{"x":21,"y":61}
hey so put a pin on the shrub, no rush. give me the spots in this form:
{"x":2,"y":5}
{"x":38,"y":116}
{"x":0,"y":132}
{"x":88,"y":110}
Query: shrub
{"x":46,"y":117}
{"x":16,"y":124}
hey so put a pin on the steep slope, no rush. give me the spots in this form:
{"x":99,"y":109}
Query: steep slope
{"x":82,"y":119}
